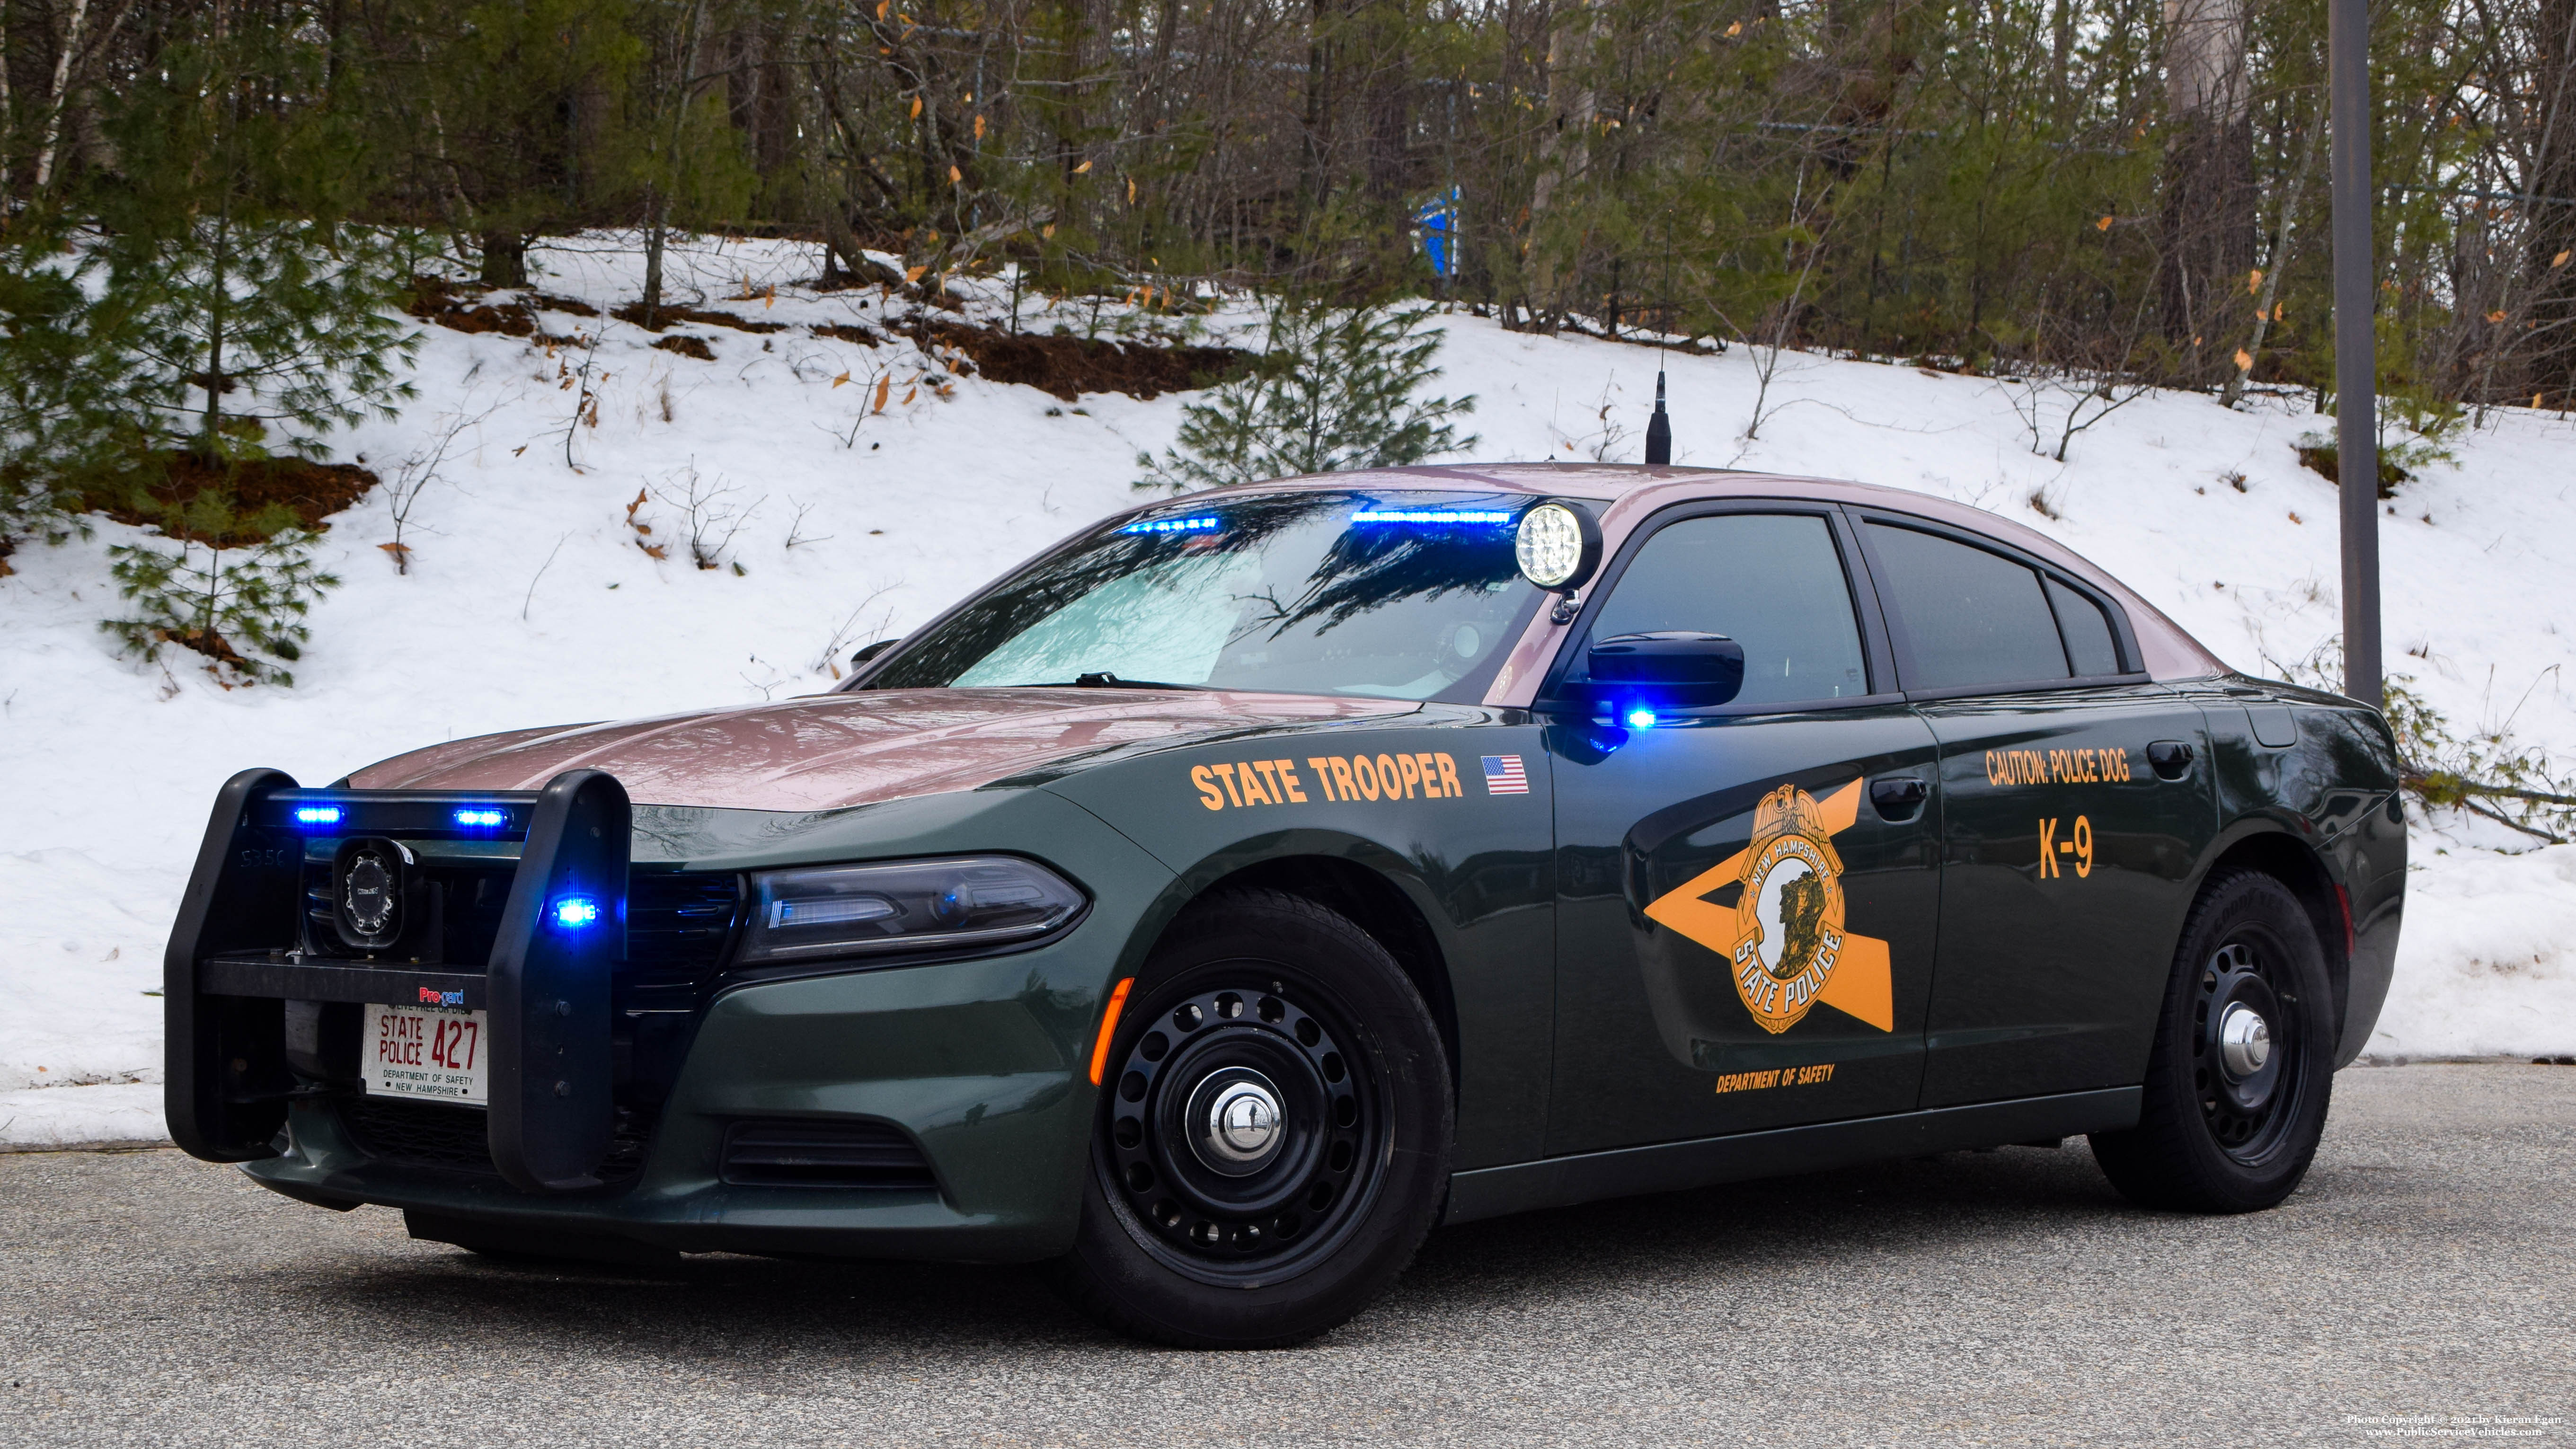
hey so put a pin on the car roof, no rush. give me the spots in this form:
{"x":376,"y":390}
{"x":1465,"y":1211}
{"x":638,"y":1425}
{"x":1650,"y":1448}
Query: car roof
{"x":1630,"y":492}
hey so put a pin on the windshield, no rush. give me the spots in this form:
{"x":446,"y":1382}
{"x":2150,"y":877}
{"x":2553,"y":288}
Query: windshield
{"x":1388,"y":595}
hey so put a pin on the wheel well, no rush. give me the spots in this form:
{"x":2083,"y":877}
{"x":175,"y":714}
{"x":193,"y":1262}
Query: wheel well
{"x":2292,"y":864}
{"x":1376,"y":905}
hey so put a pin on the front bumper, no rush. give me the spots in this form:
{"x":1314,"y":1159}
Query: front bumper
{"x":971,"y":1060}
{"x":975,"y":1068}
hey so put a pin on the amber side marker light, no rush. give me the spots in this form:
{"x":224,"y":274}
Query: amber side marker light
{"x":1109,"y":1028}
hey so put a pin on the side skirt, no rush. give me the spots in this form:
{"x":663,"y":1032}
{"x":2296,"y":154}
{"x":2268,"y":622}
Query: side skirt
{"x":1489,"y":1192}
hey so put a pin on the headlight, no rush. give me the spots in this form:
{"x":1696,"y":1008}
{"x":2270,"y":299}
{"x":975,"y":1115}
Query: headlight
{"x":908,"y":905}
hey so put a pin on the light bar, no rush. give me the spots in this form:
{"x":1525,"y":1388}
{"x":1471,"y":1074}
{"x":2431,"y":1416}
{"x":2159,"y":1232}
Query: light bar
{"x":574,"y":913}
{"x":1172,"y":525}
{"x":481,"y":817}
{"x":317,"y":814}
{"x":1429,"y":515}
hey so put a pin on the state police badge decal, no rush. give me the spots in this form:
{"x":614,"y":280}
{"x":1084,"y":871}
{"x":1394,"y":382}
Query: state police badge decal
{"x":1784,"y":938}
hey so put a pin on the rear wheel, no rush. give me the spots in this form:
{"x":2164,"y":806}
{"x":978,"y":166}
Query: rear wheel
{"x":2242,"y":1070}
{"x":1273,"y":1133}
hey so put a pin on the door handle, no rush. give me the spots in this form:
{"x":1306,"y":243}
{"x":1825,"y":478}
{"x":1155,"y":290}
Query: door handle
{"x":1898,"y":797}
{"x":2171,"y":759}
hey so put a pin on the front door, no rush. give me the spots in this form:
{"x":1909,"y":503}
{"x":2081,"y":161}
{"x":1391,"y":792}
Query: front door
{"x":2076,"y":804}
{"x":1747,"y":904}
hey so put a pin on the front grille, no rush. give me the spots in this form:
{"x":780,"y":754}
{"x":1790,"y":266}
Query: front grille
{"x":436,"y":1134}
{"x":824,"y":1154}
{"x":678,"y":926}
{"x":421,"y":1134}
{"x":465,"y":900}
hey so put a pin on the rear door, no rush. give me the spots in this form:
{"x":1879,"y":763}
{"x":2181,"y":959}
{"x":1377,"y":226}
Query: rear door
{"x":1744,"y":931}
{"x":2075,"y":802}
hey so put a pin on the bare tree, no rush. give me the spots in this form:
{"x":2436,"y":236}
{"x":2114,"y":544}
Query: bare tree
{"x":2209,"y":220}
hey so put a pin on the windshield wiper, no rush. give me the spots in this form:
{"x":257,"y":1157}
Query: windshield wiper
{"x":1103,"y":679}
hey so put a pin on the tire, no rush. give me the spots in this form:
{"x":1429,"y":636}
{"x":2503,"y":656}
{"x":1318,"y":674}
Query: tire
{"x":1259,"y":1004}
{"x":2231,"y":1129}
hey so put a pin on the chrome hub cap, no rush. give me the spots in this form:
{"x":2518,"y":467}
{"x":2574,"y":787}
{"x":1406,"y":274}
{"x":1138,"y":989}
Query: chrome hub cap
{"x":2244,"y":1040}
{"x":1236,"y":1124}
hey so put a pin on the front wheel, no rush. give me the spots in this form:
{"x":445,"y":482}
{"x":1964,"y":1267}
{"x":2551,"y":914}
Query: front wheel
{"x":2238,"y":1082}
{"x":1273,"y":1133}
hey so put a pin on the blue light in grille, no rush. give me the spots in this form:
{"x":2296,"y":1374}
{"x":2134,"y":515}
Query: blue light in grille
{"x":317,"y":814}
{"x":477,"y":817}
{"x":574,"y":913}
{"x":1641,"y":719}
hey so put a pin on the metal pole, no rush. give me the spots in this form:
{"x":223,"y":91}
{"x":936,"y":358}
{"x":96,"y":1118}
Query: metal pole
{"x":2356,"y":370}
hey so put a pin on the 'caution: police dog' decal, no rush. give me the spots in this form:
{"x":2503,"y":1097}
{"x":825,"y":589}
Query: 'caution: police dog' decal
{"x":1784,"y":937}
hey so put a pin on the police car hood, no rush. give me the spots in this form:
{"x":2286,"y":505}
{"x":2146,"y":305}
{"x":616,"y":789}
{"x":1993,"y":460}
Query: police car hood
{"x":833,"y":750}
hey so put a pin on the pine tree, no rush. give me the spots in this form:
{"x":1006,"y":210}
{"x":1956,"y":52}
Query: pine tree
{"x":1336,"y":390}
{"x":68,"y":406}
{"x":254,"y":306}
{"x":235,"y":589}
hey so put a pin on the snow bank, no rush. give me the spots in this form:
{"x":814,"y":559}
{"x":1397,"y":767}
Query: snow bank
{"x":74,"y":1116}
{"x":532,"y":600}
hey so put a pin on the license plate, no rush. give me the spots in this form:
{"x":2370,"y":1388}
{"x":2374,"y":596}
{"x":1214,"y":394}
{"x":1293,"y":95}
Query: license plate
{"x":426,"y":1051}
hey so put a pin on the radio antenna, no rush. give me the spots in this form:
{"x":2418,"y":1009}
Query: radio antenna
{"x":1659,"y":428}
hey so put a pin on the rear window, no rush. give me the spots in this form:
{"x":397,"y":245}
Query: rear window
{"x":2089,"y":643}
{"x":1971,"y":618}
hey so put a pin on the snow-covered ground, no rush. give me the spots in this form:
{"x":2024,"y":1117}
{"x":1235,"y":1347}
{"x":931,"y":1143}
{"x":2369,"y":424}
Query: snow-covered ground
{"x":530,"y":601}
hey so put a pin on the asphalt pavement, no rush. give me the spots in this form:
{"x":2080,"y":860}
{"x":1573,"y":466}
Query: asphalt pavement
{"x":2422,"y":1284}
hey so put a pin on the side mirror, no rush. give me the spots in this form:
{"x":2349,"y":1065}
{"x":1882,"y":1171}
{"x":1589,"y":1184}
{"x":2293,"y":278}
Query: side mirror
{"x":1679,"y":667}
{"x":871,"y":651}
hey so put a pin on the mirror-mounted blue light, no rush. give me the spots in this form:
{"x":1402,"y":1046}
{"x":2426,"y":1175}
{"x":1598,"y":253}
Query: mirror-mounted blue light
{"x":1641,"y":719}
{"x":481,"y":817}
{"x":1430,"y":515}
{"x":317,"y":814}
{"x":574,"y":913}
{"x":1172,"y":525}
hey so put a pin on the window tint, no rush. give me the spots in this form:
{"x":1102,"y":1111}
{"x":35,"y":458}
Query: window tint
{"x":1771,"y":582}
{"x":2087,"y":630}
{"x":1972,"y":617}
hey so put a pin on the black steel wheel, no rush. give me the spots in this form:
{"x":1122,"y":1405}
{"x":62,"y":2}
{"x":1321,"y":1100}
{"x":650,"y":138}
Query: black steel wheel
{"x":2237,"y":1086}
{"x":1272,"y":1136}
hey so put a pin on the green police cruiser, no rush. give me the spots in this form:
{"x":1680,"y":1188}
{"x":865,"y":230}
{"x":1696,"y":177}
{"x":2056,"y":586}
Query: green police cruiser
{"x":1254,"y":881}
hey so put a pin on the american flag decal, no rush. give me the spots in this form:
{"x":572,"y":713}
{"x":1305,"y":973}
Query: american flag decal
{"x":1504,"y":776}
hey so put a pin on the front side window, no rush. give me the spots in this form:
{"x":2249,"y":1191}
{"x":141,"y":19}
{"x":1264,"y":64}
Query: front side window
{"x":1390,"y":596}
{"x":1771,"y":582}
{"x":1971,"y":617}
